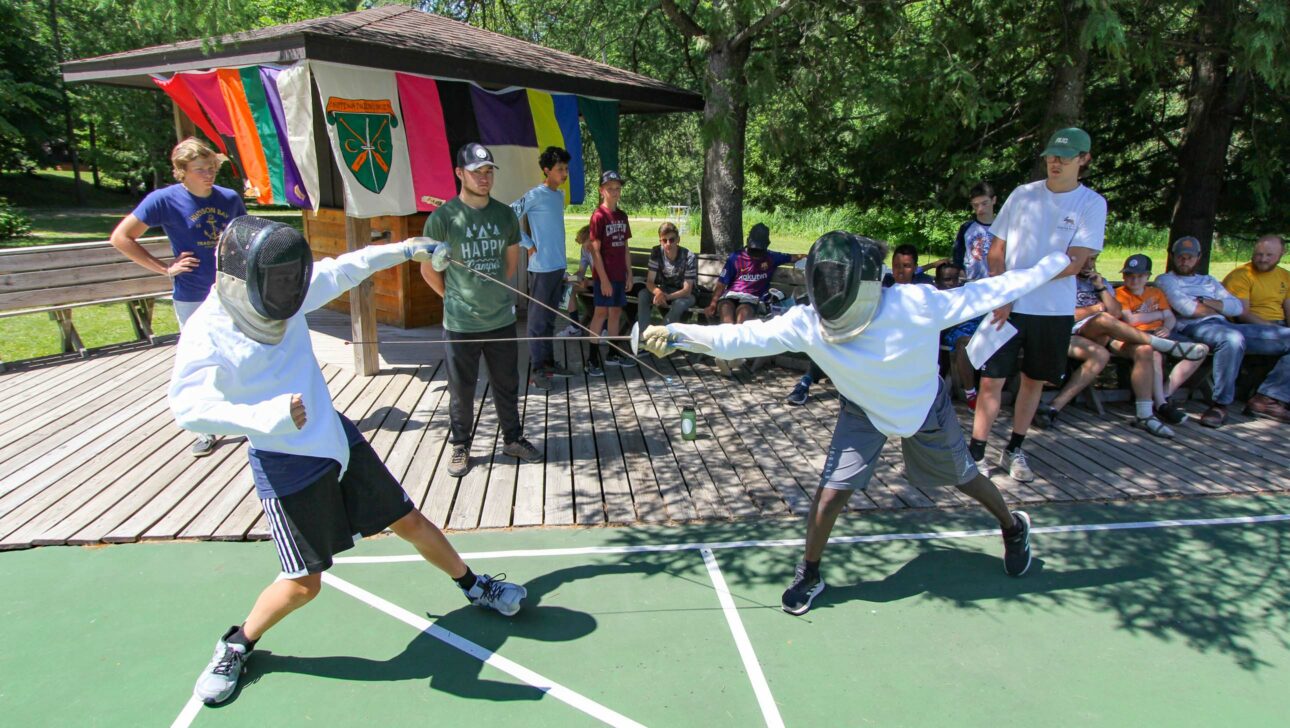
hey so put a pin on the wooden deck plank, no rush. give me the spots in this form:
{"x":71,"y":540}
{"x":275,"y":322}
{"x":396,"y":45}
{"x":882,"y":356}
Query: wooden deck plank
{"x":35,"y":410}
{"x":658,"y":449}
{"x":742,"y":444}
{"x":499,"y":489}
{"x":197,"y":498}
{"x":21,"y":400}
{"x":557,"y":503}
{"x":668,"y":402}
{"x":646,"y":496}
{"x":469,"y":502}
{"x":49,"y":435}
{"x":614,"y":485}
{"x":530,"y":478}
{"x":416,"y":452}
{"x":55,"y":497}
{"x":401,"y":413}
{"x":588,"y":500}
{"x":441,"y":488}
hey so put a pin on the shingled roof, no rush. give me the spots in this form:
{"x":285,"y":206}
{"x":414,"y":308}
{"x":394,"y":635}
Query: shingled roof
{"x":397,"y":39}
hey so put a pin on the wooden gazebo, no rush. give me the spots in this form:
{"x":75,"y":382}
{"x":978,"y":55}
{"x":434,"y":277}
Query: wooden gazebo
{"x":395,"y":39}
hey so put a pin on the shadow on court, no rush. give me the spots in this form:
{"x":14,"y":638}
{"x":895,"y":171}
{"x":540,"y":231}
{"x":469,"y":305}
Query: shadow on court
{"x":1217,"y":589}
{"x":449,"y":670}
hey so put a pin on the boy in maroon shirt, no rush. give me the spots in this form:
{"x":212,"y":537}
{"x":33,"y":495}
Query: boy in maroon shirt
{"x":610,"y":232}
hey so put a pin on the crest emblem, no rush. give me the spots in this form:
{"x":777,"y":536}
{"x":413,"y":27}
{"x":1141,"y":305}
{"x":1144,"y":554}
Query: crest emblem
{"x":363,"y":135}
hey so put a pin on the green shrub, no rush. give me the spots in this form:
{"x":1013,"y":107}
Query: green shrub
{"x":13,"y":221}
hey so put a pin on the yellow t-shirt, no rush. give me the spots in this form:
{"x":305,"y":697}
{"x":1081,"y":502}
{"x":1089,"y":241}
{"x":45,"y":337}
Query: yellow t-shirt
{"x":1266,"y":292}
{"x":1153,"y":299}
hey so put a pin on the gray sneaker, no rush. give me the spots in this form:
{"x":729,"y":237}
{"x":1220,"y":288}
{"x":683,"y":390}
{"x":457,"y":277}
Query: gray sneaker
{"x":496,"y":593}
{"x":522,"y":449}
{"x":218,"y":681}
{"x":1016,"y":465}
{"x":204,"y":445}
{"x":459,"y":463}
{"x":561,"y":372}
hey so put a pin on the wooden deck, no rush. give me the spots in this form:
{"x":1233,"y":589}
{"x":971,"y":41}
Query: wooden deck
{"x":90,"y":454}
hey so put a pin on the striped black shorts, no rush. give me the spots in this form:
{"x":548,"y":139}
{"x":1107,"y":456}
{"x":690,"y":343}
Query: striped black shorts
{"x":312,"y":525}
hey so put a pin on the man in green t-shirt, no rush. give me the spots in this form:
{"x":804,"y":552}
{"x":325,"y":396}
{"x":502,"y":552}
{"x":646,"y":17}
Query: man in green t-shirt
{"x":484,"y":235}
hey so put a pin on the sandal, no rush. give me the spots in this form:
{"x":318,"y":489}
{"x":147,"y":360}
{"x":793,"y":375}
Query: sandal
{"x":1154,"y":426}
{"x":1189,"y":350}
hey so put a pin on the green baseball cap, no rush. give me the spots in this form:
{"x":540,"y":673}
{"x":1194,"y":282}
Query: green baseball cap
{"x":1067,"y":142}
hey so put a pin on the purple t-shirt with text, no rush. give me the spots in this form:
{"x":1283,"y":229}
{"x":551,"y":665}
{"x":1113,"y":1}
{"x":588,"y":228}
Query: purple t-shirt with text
{"x":744,"y":273}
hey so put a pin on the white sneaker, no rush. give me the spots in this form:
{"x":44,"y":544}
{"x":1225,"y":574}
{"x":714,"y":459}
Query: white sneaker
{"x":569,"y":330}
{"x":218,"y":681}
{"x":496,"y":593}
{"x":1016,"y":465}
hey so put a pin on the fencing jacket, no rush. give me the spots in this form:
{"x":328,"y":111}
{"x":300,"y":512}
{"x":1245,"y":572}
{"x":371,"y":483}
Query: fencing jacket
{"x":889,"y":371}
{"x":225,"y":383}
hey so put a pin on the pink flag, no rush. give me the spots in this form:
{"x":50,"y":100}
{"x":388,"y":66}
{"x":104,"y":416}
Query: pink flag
{"x":432,"y":167}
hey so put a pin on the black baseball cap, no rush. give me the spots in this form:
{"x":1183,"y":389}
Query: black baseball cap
{"x":610,"y":175}
{"x":1137,"y":263}
{"x":472,"y":156}
{"x":759,"y":237}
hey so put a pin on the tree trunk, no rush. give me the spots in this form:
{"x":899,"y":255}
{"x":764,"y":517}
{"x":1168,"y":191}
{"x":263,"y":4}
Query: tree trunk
{"x":67,"y":104}
{"x":725,"y":121}
{"x":94,"y":157}
{"x":1066,"y":97}
{"x":1216,"y":95}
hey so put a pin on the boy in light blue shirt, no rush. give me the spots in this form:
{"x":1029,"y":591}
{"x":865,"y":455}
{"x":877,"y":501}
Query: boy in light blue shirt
{"x":541,"y":214}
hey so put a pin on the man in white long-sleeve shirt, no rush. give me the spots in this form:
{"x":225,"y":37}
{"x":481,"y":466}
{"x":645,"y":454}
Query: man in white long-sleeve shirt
{"x":245,"y":366}
{"x":1202,"y":305}
{"x":880,"y":349}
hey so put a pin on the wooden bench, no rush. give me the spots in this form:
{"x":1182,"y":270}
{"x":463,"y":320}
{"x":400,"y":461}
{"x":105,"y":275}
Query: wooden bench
{"x":787,"y":278}
{"x":54,"y":279}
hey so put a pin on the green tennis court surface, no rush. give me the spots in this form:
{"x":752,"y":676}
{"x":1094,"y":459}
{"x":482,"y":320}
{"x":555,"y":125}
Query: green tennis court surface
{"x":1162,"y":624}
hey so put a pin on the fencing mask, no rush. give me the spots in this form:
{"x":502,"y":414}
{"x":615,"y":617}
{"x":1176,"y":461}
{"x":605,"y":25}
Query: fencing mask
{"x":263,"y":270}
{"x":844,"y":283}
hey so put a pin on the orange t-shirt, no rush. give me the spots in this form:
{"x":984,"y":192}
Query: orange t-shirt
{"x":1153,"y":299}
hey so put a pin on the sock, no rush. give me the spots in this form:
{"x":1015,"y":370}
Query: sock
{"x":1015,"y":442}
{"x":1143,"y":408}
{"x":467,"y":580}
{"x":1161,"y":345}
{"x":812,"y":567}
{"x":1014,"y":528}
{"x":970,"y":392}
{"x":977,"y":448}
{"x":239,"y":638}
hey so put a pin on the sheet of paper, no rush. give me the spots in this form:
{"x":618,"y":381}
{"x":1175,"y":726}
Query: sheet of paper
{"x":988,"y":340}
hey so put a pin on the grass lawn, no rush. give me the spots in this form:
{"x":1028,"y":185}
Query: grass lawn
{"x":35,"y":335}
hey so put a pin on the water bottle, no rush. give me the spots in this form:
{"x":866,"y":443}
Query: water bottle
{"x":689,"y":424}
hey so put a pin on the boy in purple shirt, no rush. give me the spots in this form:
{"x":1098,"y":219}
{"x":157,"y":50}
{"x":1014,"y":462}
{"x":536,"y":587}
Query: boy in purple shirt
{"x":744,"y":282}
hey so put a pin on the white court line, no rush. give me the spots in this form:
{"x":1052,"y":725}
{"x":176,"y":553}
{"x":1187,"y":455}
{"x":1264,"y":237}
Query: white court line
{"x":188,"y":714}
{"x":769,"y":710}
{"x":483,"y":654}
{"x":797,"y":542}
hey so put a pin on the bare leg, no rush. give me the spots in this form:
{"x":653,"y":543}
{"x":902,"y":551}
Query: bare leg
{"x":597,"y":321}
{"x":277,"y":601}
{"x":1104,"y":325}
{"x":825,"y":507}
{"x":1179,"y":375}
{"x":1094,"y":357}
{"x":430,"y":542}
{"x":988,"y":400}
{"x":983,"y":491}
{"x":744,"y":312}
{"x":1158,"y":395}
{"x":727,"y":311}
{"x":1023,"y":412}
{"x":1143,"y":375}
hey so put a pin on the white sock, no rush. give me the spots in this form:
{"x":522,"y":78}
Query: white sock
{"x":1162,"y":345}
{"x":970,"y":392}
{"x":1143,"y":407}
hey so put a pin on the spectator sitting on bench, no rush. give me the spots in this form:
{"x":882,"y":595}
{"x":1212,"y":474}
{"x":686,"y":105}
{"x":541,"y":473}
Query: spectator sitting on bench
{"x":956,"y":338}
{"x":671,"y":279}
{"x":1262,"y":286}
{"x":1201,"y":303}
{"x":1097,"y":324}
{"x":581,"y":285}
{"x":1145,"y":308}
{"x":904,"y":268}
{"x":744,"y":284}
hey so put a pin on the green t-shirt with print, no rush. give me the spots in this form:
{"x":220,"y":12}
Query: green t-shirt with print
{"x":479,"y":238}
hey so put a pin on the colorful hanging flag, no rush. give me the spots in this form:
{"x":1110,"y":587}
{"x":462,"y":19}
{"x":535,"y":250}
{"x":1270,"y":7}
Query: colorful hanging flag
{"x":433,"y":180}
{"x":555,"y":124}
{"x":270,"y":119}
{"x":506,"y":128}
{"x":295,"y":92}
{"x":368,"y":138}
{"x":602,"y":122}
{"x":245,"y":134}
{"x":178,"y":92}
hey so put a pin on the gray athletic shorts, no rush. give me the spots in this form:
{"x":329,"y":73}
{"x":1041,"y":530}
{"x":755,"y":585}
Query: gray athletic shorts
{"x":935,"y":455}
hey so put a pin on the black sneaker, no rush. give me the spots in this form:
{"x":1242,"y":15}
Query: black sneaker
{"x":799,"y":394}
{"x":804,"y":589}
{"x":1016,"y":546}
{"x":459,"y":463}
{"x":1046,"y":417}
{"x":1171,"y":413}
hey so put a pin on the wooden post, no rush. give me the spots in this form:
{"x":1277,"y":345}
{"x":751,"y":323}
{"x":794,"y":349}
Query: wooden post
{"x":184,"y":127}
{"x":362,"y":308}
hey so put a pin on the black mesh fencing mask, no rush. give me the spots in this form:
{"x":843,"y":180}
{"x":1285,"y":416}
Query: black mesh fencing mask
{"x":263,"y":272}
{"x":844,"y":283}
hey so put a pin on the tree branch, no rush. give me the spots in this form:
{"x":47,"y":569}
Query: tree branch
{"x":747,"y":34}
{"x":682,"y":20}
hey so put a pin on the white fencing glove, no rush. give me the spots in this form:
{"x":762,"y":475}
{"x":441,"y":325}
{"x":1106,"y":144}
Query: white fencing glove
{"x":657,"y":340}
{"x":423,"y":249}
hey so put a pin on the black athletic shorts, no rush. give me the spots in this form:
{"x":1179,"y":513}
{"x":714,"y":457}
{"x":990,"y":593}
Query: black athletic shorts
{"x":312,"y":525}
{"x":1041,"y":344}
